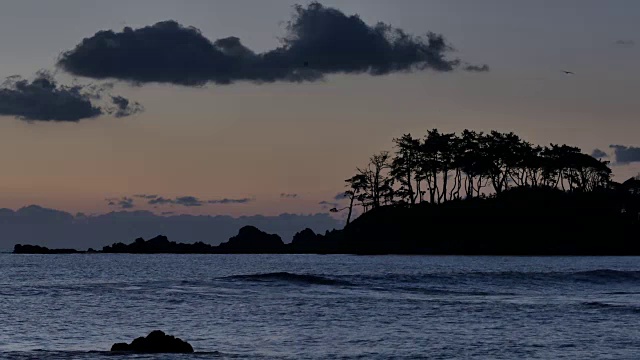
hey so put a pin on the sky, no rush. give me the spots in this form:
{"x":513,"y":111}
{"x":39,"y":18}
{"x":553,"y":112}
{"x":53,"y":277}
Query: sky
{"x":248,"y":148}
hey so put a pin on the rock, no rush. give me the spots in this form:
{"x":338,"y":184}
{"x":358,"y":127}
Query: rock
{"x":252,"y":240}
{"x":120,"y":347}
{"x":156,"y":342}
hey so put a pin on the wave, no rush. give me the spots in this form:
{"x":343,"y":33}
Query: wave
{"x":597,"y":276}
{"x":607,"y":275}
{"x":290,"y":278}
{"x":403,"y":281}
{"x":431,"y":291}
{"x":615,"y":307}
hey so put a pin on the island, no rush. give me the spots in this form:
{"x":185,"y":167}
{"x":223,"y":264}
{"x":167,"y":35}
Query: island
{"x":449,"y":194}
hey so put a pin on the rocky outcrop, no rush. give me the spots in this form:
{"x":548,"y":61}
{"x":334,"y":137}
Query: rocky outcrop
{"x":158,"y":245}
{"x":252,"y":240}
{"x":35,"y":249}
{"x":156,"y":342}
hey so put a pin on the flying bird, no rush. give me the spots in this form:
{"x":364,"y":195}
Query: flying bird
{"x":568,"y":72}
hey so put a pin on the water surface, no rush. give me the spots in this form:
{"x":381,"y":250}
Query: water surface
{"x":319,"y":307}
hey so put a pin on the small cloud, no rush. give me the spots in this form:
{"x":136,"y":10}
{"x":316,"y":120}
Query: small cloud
{"x":125,"y":107}
{"x":626,"y":154}
{"x":188,"y":201}
{"x":288,"y":196}
{"x":597,"y":153}
{"x":192,"y":201}
{"x":159,"y":200}
{"x":145,"y":196}
{"x":477,"y":68}
{"x":231,"y":201}
{"x":122,"y":203}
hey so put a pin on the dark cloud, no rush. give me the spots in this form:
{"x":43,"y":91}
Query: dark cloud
{"x":125,"y":107}
{"x":44,"y":99}
{"x":288,"y":196}
{"x":145,"y":196}
{"x":231,"y":201}
{"x":626,"y":154}
{"x":122,"y":203}
{"x":159,"y":200}
{"x":477,"y":68}
{"x":597,"y":153}
{"x":319,"y":41}
{"x":190,"y":201}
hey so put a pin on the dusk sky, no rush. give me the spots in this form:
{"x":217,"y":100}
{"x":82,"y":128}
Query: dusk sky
{"x":250,"y":143}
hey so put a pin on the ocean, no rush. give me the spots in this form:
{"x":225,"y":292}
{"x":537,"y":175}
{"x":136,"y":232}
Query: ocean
{"x":322,"y":307}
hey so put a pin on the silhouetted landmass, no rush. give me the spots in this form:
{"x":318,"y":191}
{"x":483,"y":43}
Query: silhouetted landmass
{"x":433,"y":196}
{"x":35,"y":249}
{"x":58,"y":229}
{"x":519,"y":221}
{"x":156,"y":342}
{"x":158,"y":245}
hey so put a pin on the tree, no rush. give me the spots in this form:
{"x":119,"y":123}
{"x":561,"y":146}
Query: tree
{"x":472,"y":161}
{"x":404,"y":168}
{"x":380,"y":184}
{"x":373,"y":184}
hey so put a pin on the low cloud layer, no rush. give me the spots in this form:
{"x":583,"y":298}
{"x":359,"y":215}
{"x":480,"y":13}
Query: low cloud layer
{"x":44,"y":99}
{"x":626,"y":154}
{"x":319,"y":41}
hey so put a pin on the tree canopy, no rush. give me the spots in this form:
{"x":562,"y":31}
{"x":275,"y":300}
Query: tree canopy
{"x":440,"y":167}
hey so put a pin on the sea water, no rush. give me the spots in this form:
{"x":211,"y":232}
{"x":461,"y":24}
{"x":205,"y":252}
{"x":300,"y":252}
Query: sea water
{"x":322,"y":307}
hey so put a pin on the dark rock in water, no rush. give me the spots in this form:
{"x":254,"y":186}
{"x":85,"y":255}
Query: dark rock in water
{"x":120,"y":347}
{"x":156,"y":342}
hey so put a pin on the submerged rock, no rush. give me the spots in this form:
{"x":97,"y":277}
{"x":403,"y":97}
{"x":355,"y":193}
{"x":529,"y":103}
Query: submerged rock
{"x":156,"y":342}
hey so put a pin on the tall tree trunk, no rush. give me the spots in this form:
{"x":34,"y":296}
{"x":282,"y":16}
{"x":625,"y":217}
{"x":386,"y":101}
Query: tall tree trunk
{"x":350,"y":209}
